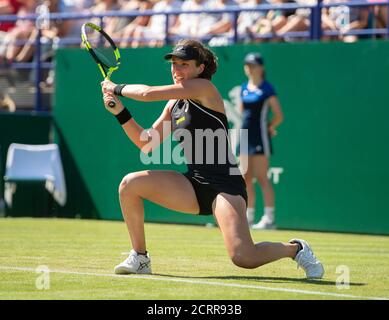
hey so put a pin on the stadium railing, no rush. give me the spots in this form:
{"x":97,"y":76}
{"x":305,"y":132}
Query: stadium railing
{"x":315,"y":32}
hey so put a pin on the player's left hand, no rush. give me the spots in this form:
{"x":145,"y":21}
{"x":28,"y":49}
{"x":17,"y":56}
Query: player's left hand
{"x":108,"y":97}
{"x":272,"y":131}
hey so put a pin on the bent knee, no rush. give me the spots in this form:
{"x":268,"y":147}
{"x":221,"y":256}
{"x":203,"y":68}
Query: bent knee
{"x":128,"y":184}
{"x":263,"y":181}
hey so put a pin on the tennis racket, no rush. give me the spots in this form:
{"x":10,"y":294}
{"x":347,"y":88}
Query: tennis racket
{"x":103,"y":50}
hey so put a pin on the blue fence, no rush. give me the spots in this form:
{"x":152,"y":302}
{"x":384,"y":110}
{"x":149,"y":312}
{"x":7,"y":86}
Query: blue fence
{"x":314,"y":34}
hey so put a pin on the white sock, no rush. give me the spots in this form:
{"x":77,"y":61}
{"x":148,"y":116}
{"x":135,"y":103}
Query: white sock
{"x":269,"y":213}
{"x":250,"y":213}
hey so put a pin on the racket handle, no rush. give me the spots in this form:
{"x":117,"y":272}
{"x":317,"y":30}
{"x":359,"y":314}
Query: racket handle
{"x":111,"y":104}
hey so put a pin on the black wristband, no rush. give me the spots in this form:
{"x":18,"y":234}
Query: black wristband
{"x":118,"y":89}
{"x":123,"y":116}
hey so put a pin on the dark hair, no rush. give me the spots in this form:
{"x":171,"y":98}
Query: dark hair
{"x":205,"y":56}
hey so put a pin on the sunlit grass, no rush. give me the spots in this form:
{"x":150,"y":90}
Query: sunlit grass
{"x":189,"y":262}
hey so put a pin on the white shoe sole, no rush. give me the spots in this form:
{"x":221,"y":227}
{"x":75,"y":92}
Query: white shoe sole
{"x":317,"y":276}
{"x":123,"y":270}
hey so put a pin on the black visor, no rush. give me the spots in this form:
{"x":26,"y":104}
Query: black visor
{"x":184,"y":53}
{"x":254,"y":58}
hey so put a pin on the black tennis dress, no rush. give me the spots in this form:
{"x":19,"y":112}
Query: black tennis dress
{"x":212,"y":168}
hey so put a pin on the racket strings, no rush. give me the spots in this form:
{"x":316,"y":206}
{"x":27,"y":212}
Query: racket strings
{"x":106,"y":56}
{"x":102,"y":48}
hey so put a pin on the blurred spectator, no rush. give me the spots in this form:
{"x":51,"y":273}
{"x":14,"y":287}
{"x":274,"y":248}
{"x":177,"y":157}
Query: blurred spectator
{"x":247,"y":19}
{"x":27,"y":50}
{"x":59,"y":30}
{"x":8,"y":7}
{"x":68,"y":28}
{"x":213,"y":26}
{"x":188,"y":24}
{"x":52,"y":30}
{"x":125,"y":32}
{"x":381,"y":16}
{"x":346,"y":18}
{"x":154,"y":33}
{"x":218,"y":26}
{"x":275,"y":20}
{"x":297,"y":22}
{"x":102,"y":6}
{"x":15,"y":38}
{"x":301,"y":21}
{"x":117,"y":24}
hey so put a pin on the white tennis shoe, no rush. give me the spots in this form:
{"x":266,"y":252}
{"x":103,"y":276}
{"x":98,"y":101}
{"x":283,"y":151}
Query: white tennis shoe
{"x":264,"y":224}
{"x":135,"y":263}
{"x":306,"y":260}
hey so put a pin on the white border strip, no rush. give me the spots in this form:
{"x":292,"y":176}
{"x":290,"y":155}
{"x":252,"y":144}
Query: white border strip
{"x":201,"y":282}
{"x":264,"y":130}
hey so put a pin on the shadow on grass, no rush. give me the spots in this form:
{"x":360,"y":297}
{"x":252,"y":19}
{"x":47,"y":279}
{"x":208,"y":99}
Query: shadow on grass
{"x":264,"y":279}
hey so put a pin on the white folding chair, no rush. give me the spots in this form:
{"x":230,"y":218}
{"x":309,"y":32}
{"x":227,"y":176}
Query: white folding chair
{"x":27,"y":162}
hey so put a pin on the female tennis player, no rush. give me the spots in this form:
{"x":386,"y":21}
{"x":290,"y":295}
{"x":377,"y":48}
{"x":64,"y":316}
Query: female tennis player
{"x":209,"y":187}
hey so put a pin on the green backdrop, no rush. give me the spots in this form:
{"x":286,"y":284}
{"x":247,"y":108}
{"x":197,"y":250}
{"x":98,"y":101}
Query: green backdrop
{"x":332,"y":147}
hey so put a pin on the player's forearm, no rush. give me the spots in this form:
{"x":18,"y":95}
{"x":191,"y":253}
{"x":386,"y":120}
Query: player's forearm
{"x":139,"y":92}
{"x":146,"y":93}
{"x":136,"y":134}
{"x":276,"y":121}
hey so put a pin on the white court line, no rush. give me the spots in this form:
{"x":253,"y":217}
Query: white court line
{"x":202,"y":282}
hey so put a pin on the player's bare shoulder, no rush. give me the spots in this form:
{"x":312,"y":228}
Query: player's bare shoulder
{"x":200,"y":83}
{"x":203,"y":88}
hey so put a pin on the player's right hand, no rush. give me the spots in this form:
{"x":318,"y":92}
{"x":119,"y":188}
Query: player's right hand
{"x":107,"y":86}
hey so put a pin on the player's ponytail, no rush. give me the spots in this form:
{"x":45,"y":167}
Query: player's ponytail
{"x":210,"y":63}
